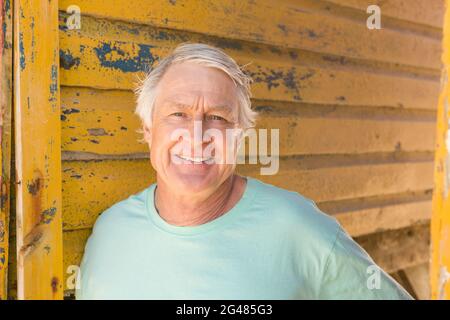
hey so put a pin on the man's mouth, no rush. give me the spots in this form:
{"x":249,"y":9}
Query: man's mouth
{"x":196,"y":160}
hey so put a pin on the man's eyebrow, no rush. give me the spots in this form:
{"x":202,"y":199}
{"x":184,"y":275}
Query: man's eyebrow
{"x":173,"y":104}
{"x":219,"y":107}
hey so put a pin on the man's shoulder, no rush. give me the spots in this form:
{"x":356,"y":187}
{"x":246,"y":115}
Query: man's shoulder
{"x":295,"y":212}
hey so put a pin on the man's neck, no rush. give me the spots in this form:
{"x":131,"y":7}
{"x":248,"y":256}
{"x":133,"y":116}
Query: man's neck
{"x":185,"y":210}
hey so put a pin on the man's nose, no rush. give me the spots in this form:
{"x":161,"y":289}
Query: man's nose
{"x":198,"y":140}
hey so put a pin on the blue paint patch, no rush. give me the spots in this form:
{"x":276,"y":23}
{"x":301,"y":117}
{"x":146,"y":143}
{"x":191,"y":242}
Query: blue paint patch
{"x":163,"y":35}
{"x":22,"y":53}
{"x":289,"y":80}
{"x":228,"y":44}
{"x":33,"y":42}
{"x":7,"y":9}
{"x":7,"y":6}
{"x":307,"y":75}
{"x":275,"y":78}
{"x":67,"y":60}
{"x":263,"y":108}
{"x":339,"y":59}
{"x":48,"y":215}
{"x":62,"y":24}
{"x":272,"y":79}
{"x":141,"y":62}
{"x":2,"y":256}
{"x":275,"y":50}
{"x":128,"y":29}
{"x":53,"y":83}
{"x":4,"y":34}
{"x":70,"y":111}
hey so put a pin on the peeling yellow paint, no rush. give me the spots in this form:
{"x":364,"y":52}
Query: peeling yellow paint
{"x":440,"y":227}
{"x":280,"y":75}
{"x":5,"y":138}
{"x":356,"y":110}
{"x":38,"y":154}
{"x":313,"y":25}
{"x":102,"y":122}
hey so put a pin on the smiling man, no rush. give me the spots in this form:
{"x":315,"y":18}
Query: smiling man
{"x":204,"y":232}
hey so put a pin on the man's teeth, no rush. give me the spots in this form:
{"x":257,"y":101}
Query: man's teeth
{"x":195,"y":159}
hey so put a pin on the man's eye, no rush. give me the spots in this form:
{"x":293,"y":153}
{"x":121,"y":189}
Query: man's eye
{"x":214,"y":117}
{"x":178,"y":114}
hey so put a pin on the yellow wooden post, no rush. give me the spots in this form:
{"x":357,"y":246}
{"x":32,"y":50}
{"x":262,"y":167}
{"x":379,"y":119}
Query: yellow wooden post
{"x":5,"y":137}
{"x":440,"y":224}
{"x":38,"y":150}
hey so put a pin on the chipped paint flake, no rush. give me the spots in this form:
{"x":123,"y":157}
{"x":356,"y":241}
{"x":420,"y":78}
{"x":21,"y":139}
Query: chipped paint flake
{"x":22,"y":52}
{"x":111,"y":56}
{"x":48,"y":215}
{"x":67,"y":60}
{"x":53,"y":83}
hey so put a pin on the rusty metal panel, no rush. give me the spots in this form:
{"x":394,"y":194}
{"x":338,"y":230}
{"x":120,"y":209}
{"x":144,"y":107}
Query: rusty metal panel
{"x":440,"y":228}
{"x":38,"y":150}
{"x":5,"y":138}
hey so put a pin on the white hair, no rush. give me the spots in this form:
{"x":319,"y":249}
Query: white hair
{"x":204,"y":55}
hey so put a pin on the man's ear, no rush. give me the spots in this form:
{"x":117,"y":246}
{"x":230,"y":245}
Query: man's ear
{"x":148,"y":135}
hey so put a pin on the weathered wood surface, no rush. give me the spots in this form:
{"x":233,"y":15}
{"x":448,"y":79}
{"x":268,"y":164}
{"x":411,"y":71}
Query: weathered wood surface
{"x":37,"y":150}
{"x":356,"y":109}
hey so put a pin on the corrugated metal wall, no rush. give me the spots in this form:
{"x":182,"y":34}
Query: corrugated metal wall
{"x":355,"y":107}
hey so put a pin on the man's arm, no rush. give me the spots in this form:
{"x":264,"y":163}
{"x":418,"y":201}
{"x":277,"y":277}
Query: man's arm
{"x":350,"y":273}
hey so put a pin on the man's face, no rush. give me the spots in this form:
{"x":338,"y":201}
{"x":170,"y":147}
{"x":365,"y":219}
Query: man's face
{"x":194,"y":108}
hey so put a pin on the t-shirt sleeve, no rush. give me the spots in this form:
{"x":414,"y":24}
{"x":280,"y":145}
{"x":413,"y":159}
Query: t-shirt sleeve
{"x":350,"y":273}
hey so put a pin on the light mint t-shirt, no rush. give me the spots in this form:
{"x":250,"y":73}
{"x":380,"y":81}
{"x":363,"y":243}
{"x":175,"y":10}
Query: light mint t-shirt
{"x":273,"y":244}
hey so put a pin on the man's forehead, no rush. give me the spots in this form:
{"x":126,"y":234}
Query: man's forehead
{"x":197,"y":99}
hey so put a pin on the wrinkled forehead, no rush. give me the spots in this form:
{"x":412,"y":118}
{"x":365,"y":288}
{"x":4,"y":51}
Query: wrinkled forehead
{"x":193,"y":84}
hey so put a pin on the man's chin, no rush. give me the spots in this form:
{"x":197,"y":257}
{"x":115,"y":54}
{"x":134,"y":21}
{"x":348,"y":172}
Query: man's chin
{"x":193,"y":183}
